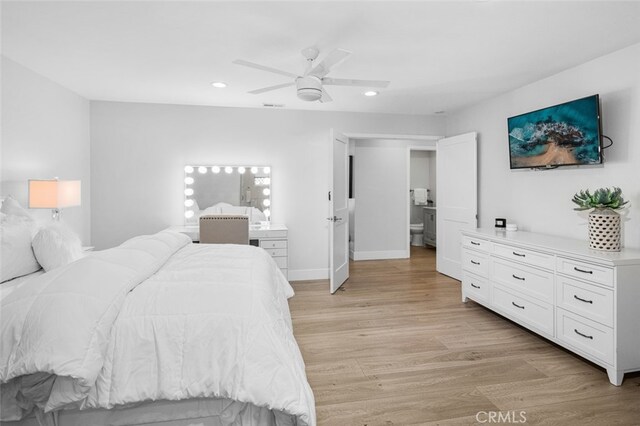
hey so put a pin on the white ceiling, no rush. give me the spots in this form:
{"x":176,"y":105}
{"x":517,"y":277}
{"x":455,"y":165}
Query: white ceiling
{"x":438,"y":55}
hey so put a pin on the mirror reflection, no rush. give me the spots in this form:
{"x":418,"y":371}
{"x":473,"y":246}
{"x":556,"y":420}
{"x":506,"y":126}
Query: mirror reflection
{"x":234,"y":190}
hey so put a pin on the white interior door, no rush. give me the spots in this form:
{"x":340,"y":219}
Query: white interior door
{"x":338,"y":212}
{"x":457,"y":191}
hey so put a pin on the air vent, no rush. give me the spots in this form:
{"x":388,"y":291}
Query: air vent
{"x":273,"y":105}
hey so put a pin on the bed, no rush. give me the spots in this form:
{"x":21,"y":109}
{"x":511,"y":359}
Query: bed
{"x":157,"y":331}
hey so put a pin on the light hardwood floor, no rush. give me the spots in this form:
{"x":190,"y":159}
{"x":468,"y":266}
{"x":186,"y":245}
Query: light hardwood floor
{"x":398,"y":347}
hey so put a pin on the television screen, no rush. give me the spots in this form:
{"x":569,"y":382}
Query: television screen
{"x":562,"y":135}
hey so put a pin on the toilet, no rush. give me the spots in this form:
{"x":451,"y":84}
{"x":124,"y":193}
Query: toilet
{"x":416,"y":231}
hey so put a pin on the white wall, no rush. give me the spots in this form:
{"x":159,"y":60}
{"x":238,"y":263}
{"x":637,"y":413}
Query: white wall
{"x":139,"y":151}
{"x":541,"y":201}
{"x":45,"y":133}
{"x":382,"y":202}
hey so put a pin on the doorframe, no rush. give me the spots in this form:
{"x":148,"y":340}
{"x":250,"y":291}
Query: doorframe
{"x":408,"y":189}
{"x":403,"y":137}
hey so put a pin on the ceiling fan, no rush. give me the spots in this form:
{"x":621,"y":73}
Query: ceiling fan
{"x":310,"y":85}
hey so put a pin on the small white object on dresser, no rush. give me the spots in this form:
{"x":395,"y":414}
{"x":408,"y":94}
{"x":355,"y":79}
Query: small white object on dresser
{"x":273,"y":238}
{"x":584,"y":300}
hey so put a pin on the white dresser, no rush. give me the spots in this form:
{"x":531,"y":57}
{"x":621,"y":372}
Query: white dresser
{"x":584,"y":300}
{"x":271,"y":237}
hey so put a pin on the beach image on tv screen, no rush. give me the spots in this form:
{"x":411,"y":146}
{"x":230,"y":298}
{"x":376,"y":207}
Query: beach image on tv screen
{"x":560,"y":135}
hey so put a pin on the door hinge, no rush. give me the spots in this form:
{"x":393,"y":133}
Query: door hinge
{"x":329,"y":195}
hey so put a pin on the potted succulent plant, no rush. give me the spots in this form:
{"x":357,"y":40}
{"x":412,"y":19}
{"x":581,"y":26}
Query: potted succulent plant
{"x":604,"y":221}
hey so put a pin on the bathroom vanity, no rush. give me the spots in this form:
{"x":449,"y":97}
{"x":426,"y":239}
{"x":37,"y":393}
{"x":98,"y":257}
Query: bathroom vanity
{"x":429,"y":226}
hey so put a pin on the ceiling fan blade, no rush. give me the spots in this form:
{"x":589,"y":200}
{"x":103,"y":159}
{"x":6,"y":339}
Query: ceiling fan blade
{"x":330,"y":61}
{"x":349,"y":82}
{"x":264,"y":68}
{"x":270,"y":88}
{"x":325,"y":97}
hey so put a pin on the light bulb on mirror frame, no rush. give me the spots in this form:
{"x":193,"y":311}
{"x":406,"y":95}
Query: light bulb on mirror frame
{"x":188,"y":180}
{"x":188,"y":192}
{"x":228,"y":170}
{"x":254,"y":170}
{"x":215,"y":169}
{"x":188,"y":169}
{"x":202,"y":170}
{"x":188,"y":214}
{"x":266,"y":202}
{"x":267,"y":170}
{"x":241,"y":170}
{"x":266,"y":191}
{"x":267,"y":213}
{"x":188,"y":203}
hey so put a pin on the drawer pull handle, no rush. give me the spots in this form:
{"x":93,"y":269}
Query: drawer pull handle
{"x":583,"y":335}
{"x":519,"y":254}
{"x":475,"y":286}
{"x":517,"y":277}
{"x":475,"y":263}
{"x":474,"y":243}
{"x":582,"y":300}
{"x":516,"y":305}
{"x":583,"y":271}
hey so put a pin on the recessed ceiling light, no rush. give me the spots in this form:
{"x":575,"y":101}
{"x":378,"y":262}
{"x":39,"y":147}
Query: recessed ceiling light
{"x":370,"y":93}
{"x":219,"y":84}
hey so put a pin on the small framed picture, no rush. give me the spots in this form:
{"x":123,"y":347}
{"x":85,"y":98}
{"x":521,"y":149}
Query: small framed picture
{"x":501,"y":223}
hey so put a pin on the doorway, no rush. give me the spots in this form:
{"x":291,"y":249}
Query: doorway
{"x":422,"y":199}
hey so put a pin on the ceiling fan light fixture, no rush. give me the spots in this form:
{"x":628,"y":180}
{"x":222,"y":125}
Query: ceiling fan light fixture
{"x":219,"y":84}
{"x":371,"y":93}
{"x":309,"y":88}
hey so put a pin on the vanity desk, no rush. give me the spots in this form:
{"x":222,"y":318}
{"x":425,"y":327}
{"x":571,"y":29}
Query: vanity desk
{"x":270,"y":236}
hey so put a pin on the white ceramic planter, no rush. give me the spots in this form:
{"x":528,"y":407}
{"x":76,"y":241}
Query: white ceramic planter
{"x":604,"y":230}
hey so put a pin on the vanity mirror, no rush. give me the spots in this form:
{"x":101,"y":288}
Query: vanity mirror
{"x":235,"y":190}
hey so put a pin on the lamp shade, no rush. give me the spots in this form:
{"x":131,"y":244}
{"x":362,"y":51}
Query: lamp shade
{"x":53,"y":194}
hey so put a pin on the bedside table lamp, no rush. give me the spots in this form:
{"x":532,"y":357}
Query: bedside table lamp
{"x":54,"y":194}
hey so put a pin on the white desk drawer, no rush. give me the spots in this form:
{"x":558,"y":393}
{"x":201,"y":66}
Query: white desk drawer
{"x":586,"y":271}
{"x":533,"y":313}
{"x":476,"y":243}
{"x":530,"y":257}
{"x":590,"y":301}
{"x":530,"y":281}
{"x":475,"y":287}
{"x":475,"y":262}
{"x":271,"y":244}
{"x":277,"y":252}
{"x":281,"y":262}
{"x":590,"y":337}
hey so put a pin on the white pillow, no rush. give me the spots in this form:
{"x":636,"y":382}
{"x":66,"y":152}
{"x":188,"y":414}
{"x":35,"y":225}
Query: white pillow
{"x":11,"y":207}
{"x":16,"y":256}
{"x":56,"y":245}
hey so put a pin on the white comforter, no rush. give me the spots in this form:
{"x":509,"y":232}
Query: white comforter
{"x":157,"y":318}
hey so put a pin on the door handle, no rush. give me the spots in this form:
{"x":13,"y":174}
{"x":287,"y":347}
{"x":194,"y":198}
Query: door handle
{"x":334,"y":219}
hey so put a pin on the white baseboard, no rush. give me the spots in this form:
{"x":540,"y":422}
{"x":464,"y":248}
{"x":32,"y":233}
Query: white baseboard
{"x":380,"y":255}
{"x":308,"y":274}
{"x":351,"y":254}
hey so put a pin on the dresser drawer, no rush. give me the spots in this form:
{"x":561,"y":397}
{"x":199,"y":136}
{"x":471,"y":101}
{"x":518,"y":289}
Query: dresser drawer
{"x":585,"y":335}
{"x":585,"y":271}
{"x":475,"y":262}
{"x":475,"y":287}
{"x":530,"y":281}
{"x":536,"y":314}
{"x":529,"y":257}
{"x":476,"y":243}
{"x":588,"y":300}
{"x":277,"y":252}
{"x":271,"y":244}
{"x":281,"y":262}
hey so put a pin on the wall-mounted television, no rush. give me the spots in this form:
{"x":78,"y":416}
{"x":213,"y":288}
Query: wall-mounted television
{"x":567,"y":134}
